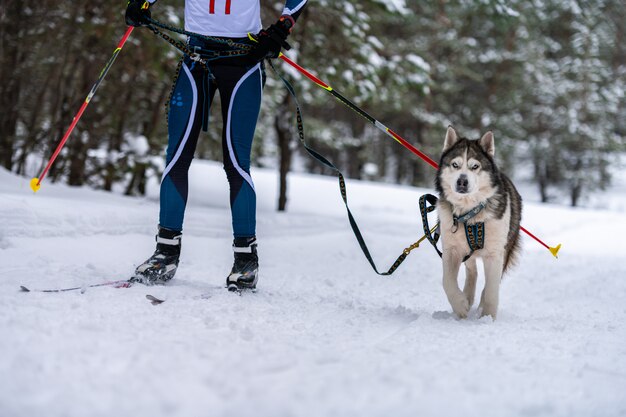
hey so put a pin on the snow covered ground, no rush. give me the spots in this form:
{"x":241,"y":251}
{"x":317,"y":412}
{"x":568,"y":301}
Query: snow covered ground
{"x":324,"y":336}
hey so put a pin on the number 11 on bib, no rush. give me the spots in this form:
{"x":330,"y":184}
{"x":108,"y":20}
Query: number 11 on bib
{"x":212,"y":7}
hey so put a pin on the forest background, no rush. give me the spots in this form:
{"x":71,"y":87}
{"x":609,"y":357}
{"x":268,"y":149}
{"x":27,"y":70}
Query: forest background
{"x":548,"y":77}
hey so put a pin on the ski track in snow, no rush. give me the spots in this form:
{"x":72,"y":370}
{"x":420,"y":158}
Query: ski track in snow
{"x":323,"y":336}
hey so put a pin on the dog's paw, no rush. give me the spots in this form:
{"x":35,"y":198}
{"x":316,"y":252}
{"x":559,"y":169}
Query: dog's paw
{"x":486,"y":309}
{"x":460,"y":305}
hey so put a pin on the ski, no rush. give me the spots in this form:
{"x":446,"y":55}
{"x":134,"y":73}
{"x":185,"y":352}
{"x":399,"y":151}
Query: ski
{"x":155,"y":301}
{"x":114,"y":284}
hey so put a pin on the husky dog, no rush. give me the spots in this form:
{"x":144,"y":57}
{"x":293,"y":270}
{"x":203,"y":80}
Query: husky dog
{"x":479,"y":213}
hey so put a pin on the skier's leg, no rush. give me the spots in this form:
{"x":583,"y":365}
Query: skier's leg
{"x":188,"y":107}
{"x":241,"y":91}
{"x":241,"y":102}
{"x":185,"y":118}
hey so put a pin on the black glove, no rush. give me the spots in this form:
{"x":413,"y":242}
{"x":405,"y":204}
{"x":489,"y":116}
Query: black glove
{"x":136,"y":13}
{"x":270,"y":41}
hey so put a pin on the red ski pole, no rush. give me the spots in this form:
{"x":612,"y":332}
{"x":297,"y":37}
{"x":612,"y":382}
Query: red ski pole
{"x":35,"y":183}
{"x":553,"y":250}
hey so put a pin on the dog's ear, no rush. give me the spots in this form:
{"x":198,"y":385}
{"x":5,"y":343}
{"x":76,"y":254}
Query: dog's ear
{"x":451,"y":138}
{"x":487,"y":143}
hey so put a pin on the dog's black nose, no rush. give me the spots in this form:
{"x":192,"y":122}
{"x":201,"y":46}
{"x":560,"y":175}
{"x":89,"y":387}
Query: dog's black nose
{"x":462,"y":184}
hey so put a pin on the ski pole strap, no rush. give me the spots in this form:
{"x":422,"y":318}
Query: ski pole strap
{"x":223,"y":41}
{"x":204,"y":56}
{"x":342,"y":186}
{"x":180,"y":46}
{"x":428,"y":204}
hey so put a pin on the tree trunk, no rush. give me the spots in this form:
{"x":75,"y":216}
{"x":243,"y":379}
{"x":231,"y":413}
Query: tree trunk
{"x":542,"y":181}
{"x":115,"y":142}
{"x":354,"y":162}
{"x":576,"y":188}
{"x":77,"y":150}
{"x":11,"y":61}
{"x":543,"y":189}
{"x":283,"y":135}
{"x":575,"y":193}
{"x":137,"y":184}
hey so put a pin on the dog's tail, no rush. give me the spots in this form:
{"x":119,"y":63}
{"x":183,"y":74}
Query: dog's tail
{"x":514,"y":242}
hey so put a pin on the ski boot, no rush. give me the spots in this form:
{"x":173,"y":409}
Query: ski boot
{"x":244,"y":274}
{"x":161,"y":266}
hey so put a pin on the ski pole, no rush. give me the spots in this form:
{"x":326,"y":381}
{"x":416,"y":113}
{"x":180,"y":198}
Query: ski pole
{"x":553,"y":250}
{"x":35,"y":183}
{"x":360,"y":111}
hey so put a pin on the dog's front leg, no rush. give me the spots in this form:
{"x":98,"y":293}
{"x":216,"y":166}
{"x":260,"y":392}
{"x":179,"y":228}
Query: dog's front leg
{"x":471,"y":275}
{"x":457,"y":299}
{"x":491,"y":293}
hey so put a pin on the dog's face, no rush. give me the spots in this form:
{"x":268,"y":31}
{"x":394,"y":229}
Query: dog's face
{"x":466,"y":171}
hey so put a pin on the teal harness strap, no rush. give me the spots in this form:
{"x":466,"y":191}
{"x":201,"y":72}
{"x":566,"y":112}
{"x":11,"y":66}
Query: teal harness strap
{"x":425,"y":208}
{"x":475,"y":235}
{"x":467,"y":216}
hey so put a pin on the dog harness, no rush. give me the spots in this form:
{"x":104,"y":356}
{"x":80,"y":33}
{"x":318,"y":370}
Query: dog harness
{"x":474,"y":233}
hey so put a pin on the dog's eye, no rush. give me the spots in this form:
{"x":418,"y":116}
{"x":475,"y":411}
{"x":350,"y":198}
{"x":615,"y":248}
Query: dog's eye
{"x":475,"y":167}
{"x":455,"y":165}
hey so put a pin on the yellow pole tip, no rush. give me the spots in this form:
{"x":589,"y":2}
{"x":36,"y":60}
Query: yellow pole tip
{"x":555,"y":250}
{"x":35,"y":185}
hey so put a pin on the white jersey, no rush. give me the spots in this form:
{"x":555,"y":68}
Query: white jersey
{"x":229,"y":18}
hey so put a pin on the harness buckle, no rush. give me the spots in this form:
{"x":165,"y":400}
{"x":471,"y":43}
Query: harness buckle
{"x":195,"y":55}
{"x":203,"y":55}
{"x":408,"y":250}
